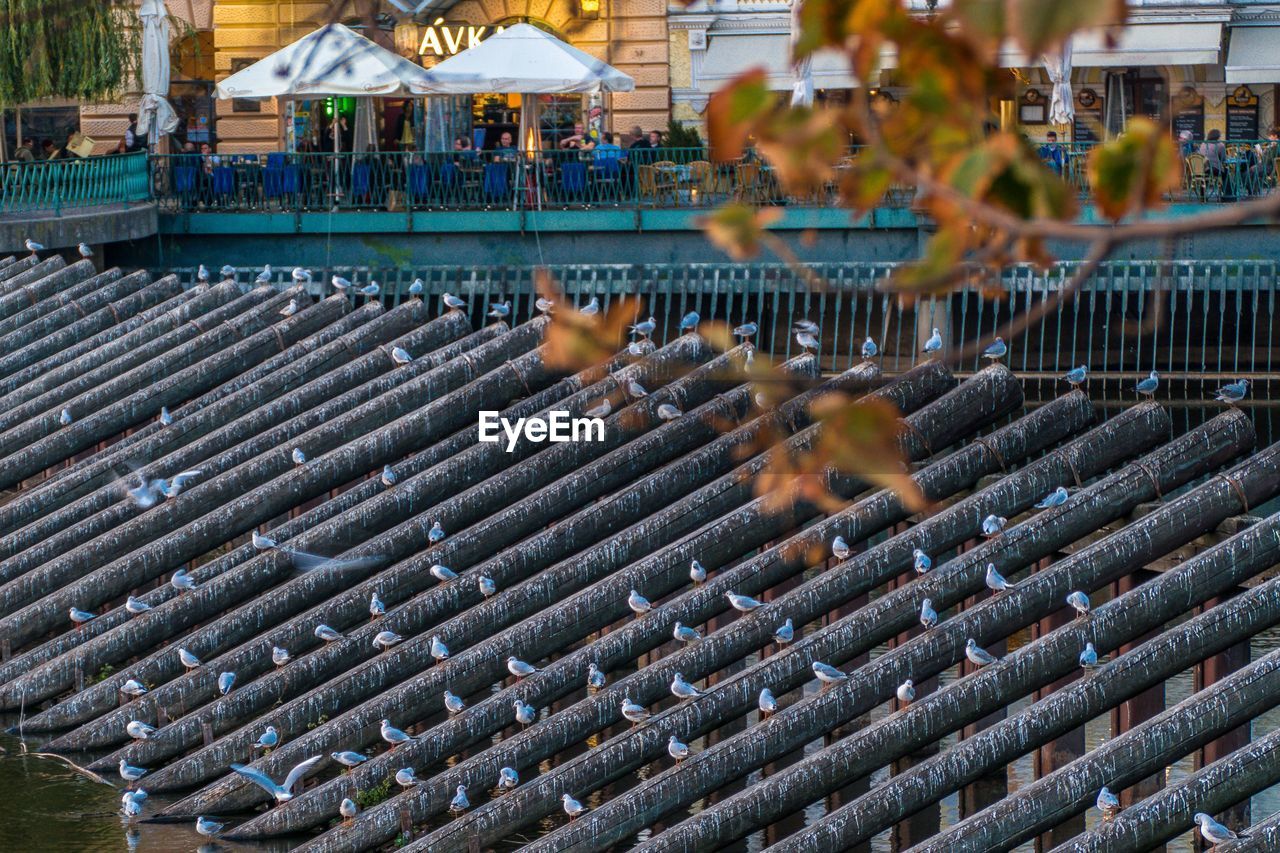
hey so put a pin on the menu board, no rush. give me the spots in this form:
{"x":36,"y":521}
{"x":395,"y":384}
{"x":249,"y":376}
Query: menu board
{"x":1242,"y":114}
{"x":1087,"y":124}
{"x":1188,"y":114}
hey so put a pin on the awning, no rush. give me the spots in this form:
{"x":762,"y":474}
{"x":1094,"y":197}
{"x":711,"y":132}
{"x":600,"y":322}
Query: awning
{"x":1136,"y":45}
{"x":729,"y":55}
{"x":1253,"y":55}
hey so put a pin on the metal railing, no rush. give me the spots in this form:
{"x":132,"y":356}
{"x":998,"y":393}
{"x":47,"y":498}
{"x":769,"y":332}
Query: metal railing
{"x":52,"y":186}
{"x":665,"y":178}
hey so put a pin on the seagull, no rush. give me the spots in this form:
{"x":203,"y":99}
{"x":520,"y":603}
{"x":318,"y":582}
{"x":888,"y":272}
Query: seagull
{"x":416,"y":288}
{"x":262,"y":543}
{"x":525,"y":713}
{"x":743,"y":603}
{"x":645,"y":328}
{"x":444,"y":574}
{"x":977,"y":655}
{"x":635,"y":390}
{"x":327,"y":634}
{"x":202,"y":273}
{"x":299,"y":458}
{"x":996,"y":351}
{"x":922,"y":561}
{"x":519,"y":668}
{"x":400,"y":355}
{"x":934,"y":344}
{"x":1080,"y":601}
{"x":595,"y":677}
{"x":689,"y":321}
{"x":807,"y":341}
{"x":172,"y":488}
{"x":225,"y":681}
{"x":189,"y":660}
{"x":508,"y":779}
{"x":1089,"y":657}
{"x":376,"y":607}
{"x":600,"y":410}
{"x":139,"y":730}
{"x":130,"y":807}
{"x":33,"y":246}
{"x":638,"y":603}
{"x":348,"y":809}
{"x":166,"y":419}
{"x":132,"y":687}
{"x":227,"y":271}
{"x":281,"y":793}
{"x":784,"y":633}
{"x":840,"y":548}
{"x":300,"y":275}
{"x":487,"y":586}
{"x":370,"y":290}
{"x":392,"y":735}
{"x":436,"y":533}
{"x":746,"y":330}
{"x":450,"y":301}
{"x":869,"y":348}
{"x":1148,"y":386}
{"x":339,"y":283}
{"x":386,"y":639}
{"x":544,"y":306}
{"x":1076,"y":376}
{"x":279,"y":656}
{"x":349,"y":759}
{"x":828,"y":674}
{"x":928,"y":616}
{"x":268,"y":739}
{"x":805,"y":325}
{"x":1108,"y":803}
{"x":85,"y":251}
{"x":500,"y":310}
{"x":136,"y":605}
{"x":995,"y":581}
{"x":65,"y":418}
{"x":405,"y":777}
{"x":572,"y":807}
{"x":146,"y":493}
{"x":697,"y":573}
{"x":668,"y":412}
{"x":906,"y":692}
{"x":993,"y":524}
{"x":591,"y":308}
{"x":1055,"y":498}
{"x":1212,"y":831}
{"x":767,"y":704}
{"x":439,"y":650}
{"x":459,"y":803}
{"x":639,"y":347}
{"x":139,"y":795}
{"x":208,"y":828}
{"x":682,"y":689}
{"x":453,"y":703}
{"x":633,"y":713}
{"x":1233,"y":393}
{"x":677,"y":750}
{"x":685,"y":634}
{"x":264,"y":277}
{"x":130,"y":773}
{"x":79,"y":617}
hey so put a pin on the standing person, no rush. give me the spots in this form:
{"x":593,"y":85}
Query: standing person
{"x":1051,"y":153}
{"x":26,"y":151}
{"x":404,"y":128}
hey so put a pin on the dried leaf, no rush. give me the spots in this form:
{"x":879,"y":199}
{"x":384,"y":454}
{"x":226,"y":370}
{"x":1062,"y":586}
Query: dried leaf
{"x":1132,"y":172}
{"x":861,"y":438}
{"x":739,"y":229}
{"x":733,"y":110}
{"x":1041,"y":25}
{"x":575,"y":341}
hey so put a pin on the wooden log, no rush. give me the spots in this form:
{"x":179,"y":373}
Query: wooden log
{"x":887,"y":616}
{"x":934,"y":716}
{"x":15,"y":280}
{"x":20,"y":265}
{"x":44,"y":297}
{"x":526,"y":600}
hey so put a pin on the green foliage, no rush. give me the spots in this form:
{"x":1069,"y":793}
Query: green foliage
{"x":61,"y":49}
{"x":680,"y":135}
{"x":104,"y":673}
{"x":372,"y":796}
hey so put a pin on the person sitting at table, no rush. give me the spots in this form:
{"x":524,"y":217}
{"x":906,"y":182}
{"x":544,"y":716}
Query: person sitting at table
{"x":1051,"y":153}
{"x":606,"y":150}
{"x":578,"y":139}
{"x":1263,"y":155}
{"x":463,"y":150}
{"x":1215,"y":161}
{"x":506,"y":148}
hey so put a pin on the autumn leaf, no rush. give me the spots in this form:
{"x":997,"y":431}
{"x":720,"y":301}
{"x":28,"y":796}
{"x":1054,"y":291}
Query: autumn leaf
{"x":1132,"y":172}
{"x":575,"y":341}
{"x":861,"y":438}
{"x":739,"y":229}
{"x":733,"y":110}
{"x":1041,"y":25}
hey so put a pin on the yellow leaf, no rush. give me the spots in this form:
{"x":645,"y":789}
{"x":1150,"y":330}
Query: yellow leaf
{"x":575,"y":341}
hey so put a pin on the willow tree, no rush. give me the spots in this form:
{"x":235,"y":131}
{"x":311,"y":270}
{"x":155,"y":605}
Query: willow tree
{"x":65,"y":49}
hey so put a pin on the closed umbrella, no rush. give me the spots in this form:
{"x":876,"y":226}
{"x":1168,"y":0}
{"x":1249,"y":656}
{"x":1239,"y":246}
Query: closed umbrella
{"x":155,"y":114}
{"x":801,"y":69}
{"x":1058,"y":66}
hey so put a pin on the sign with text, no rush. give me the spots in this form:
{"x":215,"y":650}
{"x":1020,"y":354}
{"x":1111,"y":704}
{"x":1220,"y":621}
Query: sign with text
{"x":442,"y":39}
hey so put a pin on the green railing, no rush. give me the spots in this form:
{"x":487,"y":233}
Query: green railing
{"x":52,"y":186}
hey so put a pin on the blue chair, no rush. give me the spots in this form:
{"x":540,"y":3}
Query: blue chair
{"x":573,"y":180}
{"x":609,"y":176}
{"x":360,"y":182}
{"x":497,"y":181}
{"x":184,"y":179}
{"x":419,"y":182}
{"x":224,"y":183}
{"x":275,"y":161}
{"x":450,"y":183}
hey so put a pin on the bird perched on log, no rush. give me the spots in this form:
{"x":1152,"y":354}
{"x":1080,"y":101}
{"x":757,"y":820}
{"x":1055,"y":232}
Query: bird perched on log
{"x":416,"y":288}
{"x":745,"y":331}
{"x":807,"y":341}
{"x":189,"y":660}
{"x":182,"y":581}
{"x":684,"y":634}
{"x":526,"y":714}
{"x":227,"y":272}
{"x":133,"y":687}
{"x":340,"y":284}
{"x":33,"y":246}
{"x":401,"y":356}
{"x":600,"y":410}
{"x":1089,"y":657}
{"x":595,"y":678}
{"x":386,"y":639}
{"x":1076,"y":376}
{"x":486,"y":586}
{"x":767,"y":704}
{"x":369,"y":290}
{"x":508,"y":779}
{"x":697,"y":573}
{"x":327,"y":634}
{"x":282,"y":793}
{"x":682,"y":689}
{"x":977,"y":655}
{"x":928,"y":616}
{"x":784,"y":633}
{"x":202,"y":274}
{"x":1214,"y":832}
{"x":139,"y":730}
{"x":840,"y":548}
{"x":300,"y":276}
{"x":591,"y":309}
{"x":640,"y":347}
{"x":499,"y":310}
{"x":996,"y":351}
{"x":392,"y":735}
{"x":85,"y":251}
{"x":376,"y":608}
{"x":166,"y":419}
{"x":436,"y":533}
{"x":348,"y":759}
{"x":638,"y":603}
{"x":279,"y":656}
{"x":519,"y":668}
{"x":677,"y":750}
{"x":1055,"y":498}
{"x":1080,"y":601}
{"x":453,"y":703}
{"x":208,"y":828}
{"x":79,"y":617}
{"x":264,"y":277}
{"x":444,"y":574}
{"x":644,"y":328}
{"x":65,"y":417}
{"x":459,"y":803}
{"x":269,"y":739}
{"x":906,"y":693}
{"x":995,"y":581}
{"x":572,"y":807}
{"x":136,"y":606}
{"x":633,"y":713}
{"x":689,"y":322}
{"x":544,"y":305}
{"x":129,"y":773}
{"x":348,"y":809}
{"x":869,"y":349}
{"x":1108,"y":803}
{"x":828,"y":674}
{"x":454,"y":303}
{"x":922,"y":561}
{"x":1148,"y":386}
{"x":439,"y":650}
{"x":806,"y":325}
{"x":668,"y":412}
{"x":934,"y":343}
{"x":225,"y":682}
{"x":405,"y":777}
{"x":992,"y":525}
{"x":298,"y":457}
{"x":1233,"y":393}
{"x":743,"y":603}
{"x":635,"y":390}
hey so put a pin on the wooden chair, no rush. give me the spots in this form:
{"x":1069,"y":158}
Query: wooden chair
{"x":703,"y":179}
{"x":654,"y":185}
{"x":747,"y":189}
{"x":1197,"y":174}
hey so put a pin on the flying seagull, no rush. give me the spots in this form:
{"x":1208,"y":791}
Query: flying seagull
{"x":284,"y":792}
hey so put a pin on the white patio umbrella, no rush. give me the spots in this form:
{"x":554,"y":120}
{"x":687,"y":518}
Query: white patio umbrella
{"x":155,"y":114}
{"x":1058,"y":66}
{"x":802,"y":69}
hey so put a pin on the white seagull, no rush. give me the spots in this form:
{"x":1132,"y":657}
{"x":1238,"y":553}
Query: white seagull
{"x":840,"y":548}
{"x":182,"y":581}
{"x":743,"y":603}
{"x":1055,"y":498}
{"x":1080,"y":601}
{"x":436,"y":533}
{"x":684,"y":634}
{"x":282,"y":793}
{"x":349,"y":759}
{"x":139,"y":730}
{"x":487,"y":586}
{"x":682,"y":689}
{"x":638,"y":603}
{"x":451,"y":301}
{"x":1148,"y":386}
{"x":459,"y":803}
{"x":767,"y":704}
{"x":279,"y":656}
{"x":697,"y":573}
{"x":677,"y":750}
{"x":996,"y":351}
{"x":327,"y":634}
{"x":268,"y":739}
{"x":392,"y":735}
{"x":132,"y":687}
{"x":784,"y":633}
{"x":400,"y":355}
{"x":1089,"y":657}
{"x":572,"y":807}
{"x":934,"y":344}
{"x":85,"y":250}
{"x":977,"y":655}
{"x":1212,"y":831}
{"x":922,"y":561}
{"x":189,"y":660}
{"x":208,"y":828}
{"x":995,"y":581}
{"x":348,"y":809}
{"x":928,"y":616}
{"x":906,"y":692}
{"x":525,"y":713}
{"x":633,"y":713}
{"x":439,"y":650}
{"x":508,"y":779}
{"x":519,"y":668}
{"x":993,"y":524}
{"x":129,"y":773}
{"x":1108,"y":803}
{"x":595,"y":677}
{"x":405,"y":777}
{"x":444,"y":574}
{"x":453,"y":703}
{"x":225,"y":681}
{"x":386,"y":639}
{"x":376,"y":608}
{"x":828,"y":674}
